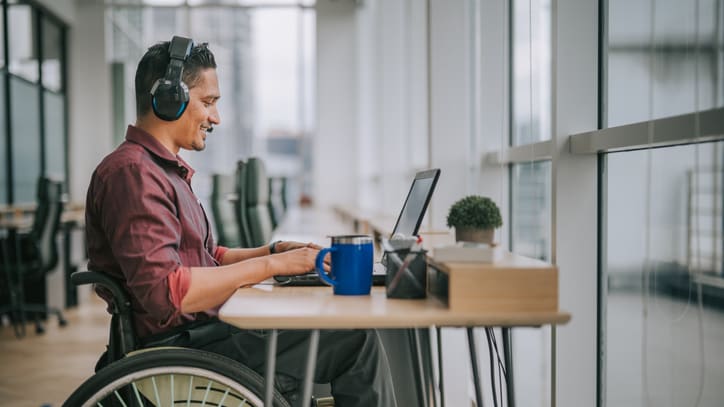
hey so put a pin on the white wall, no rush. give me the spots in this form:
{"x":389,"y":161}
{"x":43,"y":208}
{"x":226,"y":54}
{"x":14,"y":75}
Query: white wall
{"x":334,"y":152}
{"x":91,"y":132}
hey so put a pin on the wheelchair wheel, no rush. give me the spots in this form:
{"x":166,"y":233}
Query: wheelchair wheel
{"x":173,"y":376}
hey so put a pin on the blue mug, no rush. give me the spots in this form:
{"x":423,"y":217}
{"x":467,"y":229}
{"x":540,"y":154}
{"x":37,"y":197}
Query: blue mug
{"x":351,"y":271}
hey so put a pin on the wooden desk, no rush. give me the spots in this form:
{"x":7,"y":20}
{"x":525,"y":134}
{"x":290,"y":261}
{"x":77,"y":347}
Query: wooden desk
{"x":270,"y":306}
{"x":278,"y":307}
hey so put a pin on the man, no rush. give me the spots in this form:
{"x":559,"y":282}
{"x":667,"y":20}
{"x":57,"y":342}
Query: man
{"x":146,"y":227}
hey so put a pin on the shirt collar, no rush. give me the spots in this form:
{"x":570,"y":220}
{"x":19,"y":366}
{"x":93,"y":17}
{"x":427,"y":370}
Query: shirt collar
{"x":147,"y":141}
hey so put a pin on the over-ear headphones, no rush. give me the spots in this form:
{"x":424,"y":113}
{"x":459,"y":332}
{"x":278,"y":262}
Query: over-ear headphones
{"x":170,"y":95}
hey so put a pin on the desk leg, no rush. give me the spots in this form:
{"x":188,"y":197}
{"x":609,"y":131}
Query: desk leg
{"x":474,"y":364}
{"x":271,"y":361}
{"x":441,"y":384}
{"x":430,"y":379}
{"x":508,"y":357}
{"x":311,"y":364}
{"x":422,"y":393}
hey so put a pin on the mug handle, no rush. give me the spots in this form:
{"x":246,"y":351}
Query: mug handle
{"x":320,"y":265}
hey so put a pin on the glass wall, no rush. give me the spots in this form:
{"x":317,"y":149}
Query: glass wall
{"x":664,"y":309}
{"x":531,"y":226}
{"x":531,"y":71}
{"x":4,"y":181}
{"x":530,"y":179}
{"x":663,"y":58}
{"x":25,"y":130}
{"x":37,"y":122}
{"x":22,"y":37}
{"x":54,"y":126}
{"x":662,"y":287}
{"x":4,"y":178}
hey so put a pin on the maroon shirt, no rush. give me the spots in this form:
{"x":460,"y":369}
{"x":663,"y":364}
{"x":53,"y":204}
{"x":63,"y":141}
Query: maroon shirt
{"x":146,"y":227}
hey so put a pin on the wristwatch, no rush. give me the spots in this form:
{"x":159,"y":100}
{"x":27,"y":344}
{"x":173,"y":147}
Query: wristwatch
{"x":273,"y":247}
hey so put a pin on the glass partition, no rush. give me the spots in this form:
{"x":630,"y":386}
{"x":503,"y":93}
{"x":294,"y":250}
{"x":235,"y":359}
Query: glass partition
{"x":25,"y":111}
{"x":662,"y":276}
{"x":2,"y":37}
{"x":4,"y":181}
{"x":531,"y":236}
{"x":531,"y":71}
{"x":662,"y":59}
{"x":22,"y":36}
{"x":54,"y":122}
{"x":52,"y":55}
{"x":531,"y":209}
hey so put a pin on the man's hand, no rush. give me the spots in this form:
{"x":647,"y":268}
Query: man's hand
{"x":294,"y":261}
{"x":283,"y":246}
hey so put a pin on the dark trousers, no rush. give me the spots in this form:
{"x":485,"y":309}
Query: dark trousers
{"x":352,"y":361}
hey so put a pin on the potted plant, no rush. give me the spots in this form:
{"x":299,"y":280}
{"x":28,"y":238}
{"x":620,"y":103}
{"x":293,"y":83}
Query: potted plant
{"x":474,"y":219}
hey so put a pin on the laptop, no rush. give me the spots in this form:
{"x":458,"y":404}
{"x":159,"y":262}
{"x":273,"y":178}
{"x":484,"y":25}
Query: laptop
{"x":408,"y":224}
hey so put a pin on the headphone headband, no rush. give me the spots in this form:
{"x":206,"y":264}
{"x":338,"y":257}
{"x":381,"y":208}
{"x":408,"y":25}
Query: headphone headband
{"x":170,"y":95}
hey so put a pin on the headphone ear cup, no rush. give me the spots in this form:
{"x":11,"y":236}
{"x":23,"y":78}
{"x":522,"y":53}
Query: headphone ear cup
{"x":169,"y":100}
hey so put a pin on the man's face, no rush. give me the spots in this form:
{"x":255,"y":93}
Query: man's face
{"x":201,"y":112}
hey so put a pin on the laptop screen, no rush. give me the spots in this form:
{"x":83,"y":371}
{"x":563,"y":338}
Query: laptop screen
{"x":416,"y":203}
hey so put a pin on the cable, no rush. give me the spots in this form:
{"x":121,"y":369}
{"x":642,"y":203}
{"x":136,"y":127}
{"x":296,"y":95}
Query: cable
{"x":502,"y":373}
{"x":492,"y":367}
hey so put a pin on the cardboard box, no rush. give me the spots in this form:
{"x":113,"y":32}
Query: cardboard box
{"x":514,"y":283}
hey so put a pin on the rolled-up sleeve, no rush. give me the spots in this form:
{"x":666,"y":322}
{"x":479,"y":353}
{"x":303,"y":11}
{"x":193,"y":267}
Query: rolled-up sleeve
{"x":145,"y":236}
{"x":219,"y":253}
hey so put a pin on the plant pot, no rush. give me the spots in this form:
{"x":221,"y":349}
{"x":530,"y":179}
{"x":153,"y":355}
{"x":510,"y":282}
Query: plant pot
{"x":474,"y":235}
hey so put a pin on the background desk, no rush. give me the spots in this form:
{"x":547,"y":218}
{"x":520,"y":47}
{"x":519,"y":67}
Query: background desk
{"x":274,"y":307}
{"x":57,"y":290}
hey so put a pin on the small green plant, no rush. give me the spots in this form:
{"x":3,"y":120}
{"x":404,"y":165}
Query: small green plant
{"x":475,"y":212}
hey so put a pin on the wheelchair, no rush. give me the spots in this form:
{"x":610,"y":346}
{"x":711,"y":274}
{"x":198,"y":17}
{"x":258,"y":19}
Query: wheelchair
{"x":163,"y":376}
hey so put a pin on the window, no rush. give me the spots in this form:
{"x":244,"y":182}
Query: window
{"x":25,"y":131}
{"x":662,"y":59}
{"x":52,"y":65}
{"x":661,"y":235}
{"x":22,"y":37}
{"x":530,"y":177}
{"x":36,"y":97}
{"x":663,"y":244}
{"x":531,"y":228}
{"x":531,"y":71}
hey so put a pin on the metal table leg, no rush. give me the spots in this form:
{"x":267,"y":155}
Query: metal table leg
{"x":508,"y":357}
{"x":271,"y":361}
{"x":420,"y":374}
{"x":474,"y":363}
{"x":441,"y":384}
{"x":311,"y":364}
{"x":430,"y":378}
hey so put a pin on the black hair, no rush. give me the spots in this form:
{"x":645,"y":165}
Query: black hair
{"x":154,"y":63}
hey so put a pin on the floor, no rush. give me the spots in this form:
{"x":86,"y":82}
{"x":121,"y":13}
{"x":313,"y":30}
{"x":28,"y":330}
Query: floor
{"x":43,"y":370}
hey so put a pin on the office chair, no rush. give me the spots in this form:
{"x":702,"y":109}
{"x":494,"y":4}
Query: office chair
{"x":240,"y":205}
{"x":277,"y":206}
{"x":26,"y":258}
{"x":223,"y":204}
{"x":257,"y":203}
